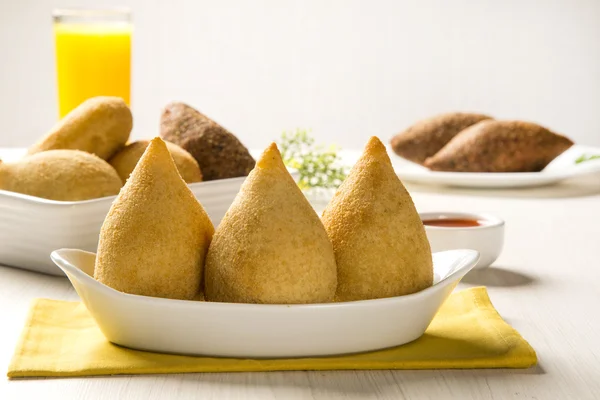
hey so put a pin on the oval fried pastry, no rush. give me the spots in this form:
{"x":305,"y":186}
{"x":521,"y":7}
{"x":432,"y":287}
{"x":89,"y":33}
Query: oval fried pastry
{"x":218,"y":152}
{"x":500,"y":146}
{"x":63,"y":175}
{"x":428,"y":136}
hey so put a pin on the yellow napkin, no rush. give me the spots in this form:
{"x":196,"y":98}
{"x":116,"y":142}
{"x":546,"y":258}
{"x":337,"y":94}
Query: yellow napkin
{"x":61,"y":339}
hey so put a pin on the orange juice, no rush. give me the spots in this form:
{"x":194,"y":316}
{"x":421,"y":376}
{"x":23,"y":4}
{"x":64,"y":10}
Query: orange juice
{"x":92,"y":59}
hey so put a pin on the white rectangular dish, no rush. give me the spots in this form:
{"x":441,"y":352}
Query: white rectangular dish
{"x":262,"y":330}
{"x":32,"y":227}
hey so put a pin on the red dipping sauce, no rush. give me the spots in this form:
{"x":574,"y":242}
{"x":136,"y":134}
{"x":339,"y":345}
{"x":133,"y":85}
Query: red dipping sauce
{"x":453,"y":222}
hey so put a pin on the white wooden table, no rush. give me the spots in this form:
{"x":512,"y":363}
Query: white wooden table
{"x":546,"y":284}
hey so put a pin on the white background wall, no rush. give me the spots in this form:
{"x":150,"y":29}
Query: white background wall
{"x":347,"y":69}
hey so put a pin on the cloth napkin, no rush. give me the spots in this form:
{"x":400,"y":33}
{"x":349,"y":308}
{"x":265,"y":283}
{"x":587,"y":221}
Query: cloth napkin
{"x":61,"y":339}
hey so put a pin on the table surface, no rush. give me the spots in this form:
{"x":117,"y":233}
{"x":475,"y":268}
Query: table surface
{"x":546,"y":284}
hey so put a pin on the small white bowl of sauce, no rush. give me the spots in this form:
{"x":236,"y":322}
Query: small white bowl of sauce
{"x":453,"y":230}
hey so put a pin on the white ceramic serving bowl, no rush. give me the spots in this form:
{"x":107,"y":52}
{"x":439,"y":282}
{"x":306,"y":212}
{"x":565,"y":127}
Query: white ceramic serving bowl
{"x":32,"y":227}
{"x":487,"y":239}
{"x":259,"y":330}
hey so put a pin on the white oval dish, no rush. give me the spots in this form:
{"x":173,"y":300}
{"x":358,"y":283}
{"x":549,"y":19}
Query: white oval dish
{"x":32,"y":227}
{"x":487,"y":239}
{"x":259,"y":330}
{"x":561,"y":168}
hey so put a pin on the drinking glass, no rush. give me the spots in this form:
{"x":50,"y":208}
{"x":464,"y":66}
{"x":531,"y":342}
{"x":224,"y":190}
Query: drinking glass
{"x":93,"y":55}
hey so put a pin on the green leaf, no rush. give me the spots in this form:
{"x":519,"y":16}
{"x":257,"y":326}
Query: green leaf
{"x":319,"y":167}
{"x":587,"y":157}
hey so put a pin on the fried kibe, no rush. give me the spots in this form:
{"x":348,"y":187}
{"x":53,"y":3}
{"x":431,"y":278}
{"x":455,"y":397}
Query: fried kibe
{"x":380,"y":245}
{"x":63,"y":175}
{"x":100,"y":125}
{"x":500,"y":146}
{"x":428,"y":136}
{"x":154,"y":239}
{"x":219,"y":153}
{"x":127,"y":158}
{"x":271,"y":246}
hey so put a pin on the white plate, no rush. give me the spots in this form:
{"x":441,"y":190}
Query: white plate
{"x":32,"y":227}
{"x":258,"y":330}
{"x":561,"y":168}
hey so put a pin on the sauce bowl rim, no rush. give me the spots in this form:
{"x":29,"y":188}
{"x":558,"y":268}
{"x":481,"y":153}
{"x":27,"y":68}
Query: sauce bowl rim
{"x":489,"y":221}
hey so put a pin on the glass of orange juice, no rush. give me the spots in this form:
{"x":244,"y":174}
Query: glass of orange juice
{"x":93,"y":55}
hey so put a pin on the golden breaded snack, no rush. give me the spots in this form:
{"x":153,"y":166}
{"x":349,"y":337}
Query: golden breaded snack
{"x":428,"y":136}
{"x":127,"y":158}
{"x":219,"y":153}
{"x":271,"y":246}
{"x":379,"y":240}
{"x":155,"y":237}
{"x":500,"y":146}
{"x":63,"y":175}
{"x":100,"y":125}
